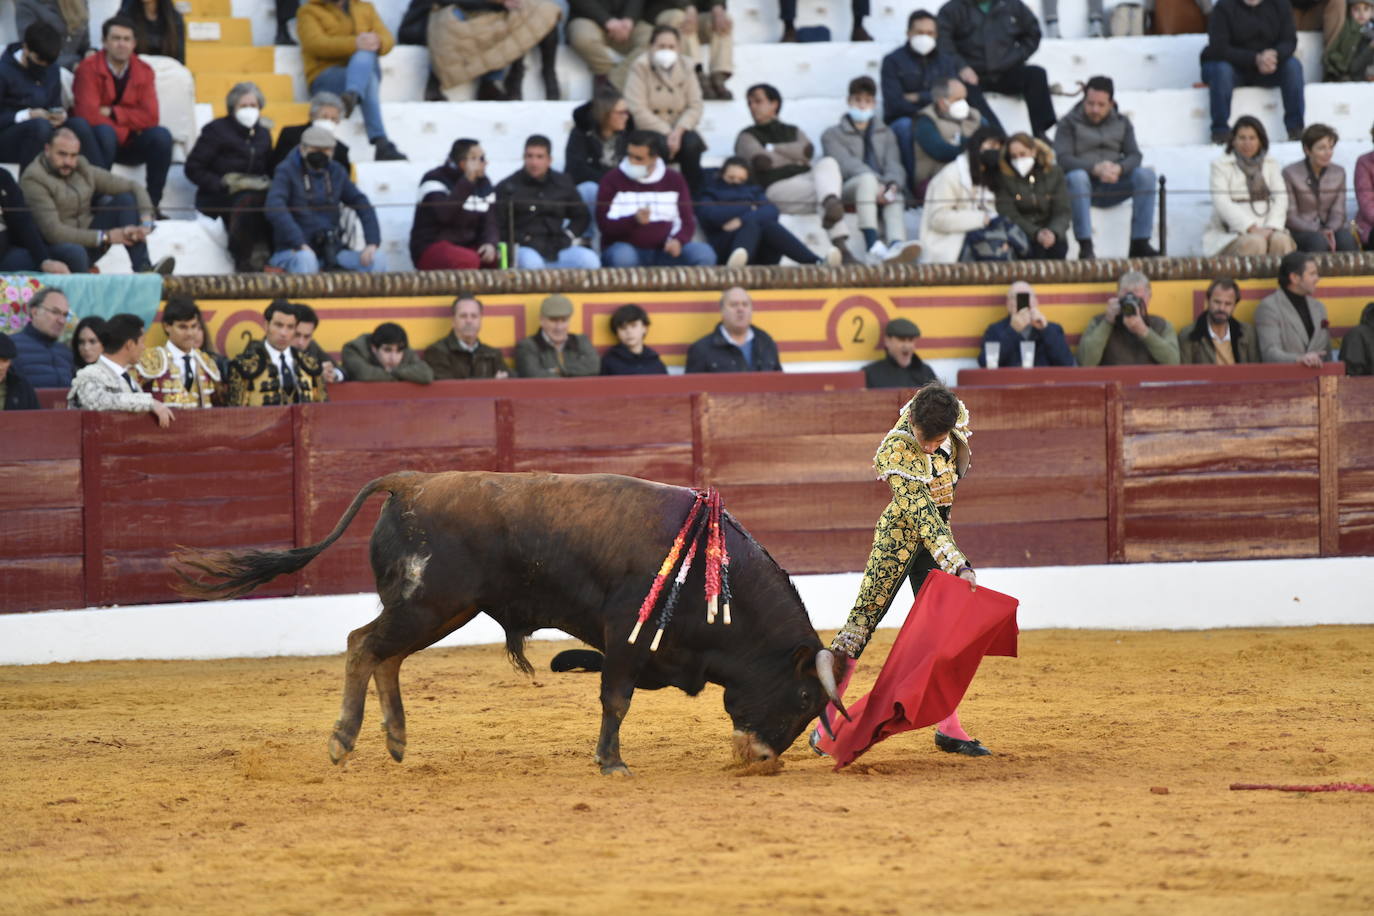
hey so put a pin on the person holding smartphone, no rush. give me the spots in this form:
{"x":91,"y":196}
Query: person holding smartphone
{"x":1025,"y":324}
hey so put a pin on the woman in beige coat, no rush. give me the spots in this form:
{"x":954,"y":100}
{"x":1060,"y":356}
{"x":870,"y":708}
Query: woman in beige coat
{"x":1249,"y":199}
{"x":664,"y":96}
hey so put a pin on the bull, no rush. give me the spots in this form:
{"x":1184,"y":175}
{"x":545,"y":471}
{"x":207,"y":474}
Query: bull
{"x":573,"y":552}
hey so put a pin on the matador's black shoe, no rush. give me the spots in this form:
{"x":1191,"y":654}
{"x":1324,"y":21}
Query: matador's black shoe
{"x":969,"y":748}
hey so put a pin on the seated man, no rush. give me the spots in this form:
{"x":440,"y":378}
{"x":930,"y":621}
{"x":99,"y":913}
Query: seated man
{"x":307,"y":322}
{"x":995,"y":38}
{"x":1217,"y":338}
{"x":1024,"y":323}
{"x":548,"y":217}
{"x":303,"y":208}
{"x":271,"y":372}
{"x":1096,"y":148}
{"x":31,"y":99}
{"x":1357,"y":349}
{"x":108,"y":383}
{"x":21,"y":244}
{"x":1127,"y":334}
{"x":342,"y":42}
{"x":385,"y":356}
{"x":736,"y":345}
{"x":644,"y":211}
{"x":82,"y":210}
{"x":178,"y":373}
{"x":871,"y":167}
{"x":1291,"y":322}
{"x":780,"y":156}
{"x":901,"y":368}
{"x":116,"y":93}
{"x":1252,"y":44}
{"x":456,"y":225}
{"x":41,"y":356}
{"x":553,"y":352}
{"x":630,"y":324}
{"x":461,"y":354}
{"x":15,"y":391}
{"x":941,"y":129}
{"x":326,"y":111}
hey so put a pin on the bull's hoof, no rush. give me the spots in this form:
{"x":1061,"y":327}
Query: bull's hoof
{"x":397,"y":747}
{"x":614,"y":769}
{"x":340,"y":749}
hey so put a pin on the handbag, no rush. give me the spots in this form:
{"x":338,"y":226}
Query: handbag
{"x":999,"y":240}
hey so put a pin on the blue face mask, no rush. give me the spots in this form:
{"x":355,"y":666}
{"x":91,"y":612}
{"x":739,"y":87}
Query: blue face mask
{"x":860,"y":115}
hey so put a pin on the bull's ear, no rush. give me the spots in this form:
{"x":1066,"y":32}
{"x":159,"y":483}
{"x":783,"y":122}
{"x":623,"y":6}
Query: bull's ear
{"x":804,"y":660}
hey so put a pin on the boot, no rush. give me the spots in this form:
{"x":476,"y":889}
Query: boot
{"x":1141,"y":248}
{"x":832,"y":209}
{"x":1085,"y":250}
{"x":515,"y":76}
{"x":717,"y":80}
{"x":490,"y":91}
{"x":708,"y":91}
{"x":283,"y":36}
{"x":385,"y":151}
{"x":859,"y":33}
{"x":548,"y":66}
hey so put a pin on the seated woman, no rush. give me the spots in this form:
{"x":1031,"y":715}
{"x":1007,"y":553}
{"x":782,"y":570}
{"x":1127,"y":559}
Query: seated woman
{"x":961,"y":197}
{"x":742,"y":223}
{"x":229,"y":165}
{"x":1316,"y":195}
{"x":158,"y":28}
{"x":596,"y":143}
{"x":664,"y":96}
{"x":1364,"y":196}
{"x":1032,"y":193}
{"x":326,"y":110}
{"x":1249,"y":198}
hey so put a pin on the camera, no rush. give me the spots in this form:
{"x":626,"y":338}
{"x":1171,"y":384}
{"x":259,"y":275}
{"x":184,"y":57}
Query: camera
{"x":326,"y":246}
{"x":1130,"y":304}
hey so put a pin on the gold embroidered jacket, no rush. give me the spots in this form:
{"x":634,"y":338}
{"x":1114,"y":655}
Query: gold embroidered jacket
{"x":255,"y":381}
{"x":161,"y":376}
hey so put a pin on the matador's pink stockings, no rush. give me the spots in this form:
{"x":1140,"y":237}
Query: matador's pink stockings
{"x":950,"y":726}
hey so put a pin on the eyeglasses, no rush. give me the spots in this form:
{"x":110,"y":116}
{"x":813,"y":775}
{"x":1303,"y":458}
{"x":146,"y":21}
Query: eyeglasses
{"x":64,"y":315}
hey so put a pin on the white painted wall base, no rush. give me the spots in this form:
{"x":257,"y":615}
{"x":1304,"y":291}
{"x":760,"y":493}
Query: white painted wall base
{"x":1143,"y":596}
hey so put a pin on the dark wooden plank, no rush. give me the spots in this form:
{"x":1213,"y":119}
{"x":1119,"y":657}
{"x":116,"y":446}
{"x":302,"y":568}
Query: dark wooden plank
{"x":1070,"y":542}
{"x":804,"y":507}
{"x":148,"y":525}
{"x":41,"y":584}
{"x":1056,"y":407}
{"x":1160,"y":538}
{"x":41,"y":532}
{"x":1035,"y":451}
{"x":814,"y":458}
{"x":991,"y":498}
{"x":223,"y":472}
{"x":93,"y":523}
{"x":699,"y":408}
{"x":1356,"y":512}
{"x":598,"y":386}
{"x":1115,"y":460}
{"x":1328,"y":462}
{"x":41,"y":483}
{"x":666,"y":463}
{"x":1144,"y":375}
{"x":1221,"y":494}
{"x":203,"y":433}
{"x":1220,"y":406}
{"x":1283,"y":448}
{"x":1355,"y":395}
{"x":755,"y":416}
{"x":468,"y":422}
{"x":1355,"y":443}
{"x":813,"y":552}
{"x":146,"y":578}
{"x":40,"y":435}
{"x":569,"y":423}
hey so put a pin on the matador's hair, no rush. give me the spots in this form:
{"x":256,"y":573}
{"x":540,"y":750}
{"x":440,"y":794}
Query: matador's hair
{"x":934,"y":410}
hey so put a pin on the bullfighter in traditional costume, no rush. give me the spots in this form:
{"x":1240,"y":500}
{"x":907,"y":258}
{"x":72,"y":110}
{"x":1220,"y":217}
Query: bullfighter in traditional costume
{"x":270,"y":372}
{"x":178,"y":373}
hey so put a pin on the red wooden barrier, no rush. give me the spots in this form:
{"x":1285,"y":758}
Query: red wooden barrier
{"x":40,"y":511}
{"x":607,"y":386}
{"x":1140,"y":375}
{"x":1353,"y":431}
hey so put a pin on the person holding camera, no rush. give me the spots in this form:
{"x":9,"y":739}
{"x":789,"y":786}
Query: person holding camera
{"x":303,"y":208}
{"x":1127,"y":334}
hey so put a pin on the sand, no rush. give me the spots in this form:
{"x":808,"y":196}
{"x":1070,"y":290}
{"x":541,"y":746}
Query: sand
{"x":205,"y":787}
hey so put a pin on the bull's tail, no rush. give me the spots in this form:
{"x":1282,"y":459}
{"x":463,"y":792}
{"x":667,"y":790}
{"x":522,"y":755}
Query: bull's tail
{"x":229,"y":575}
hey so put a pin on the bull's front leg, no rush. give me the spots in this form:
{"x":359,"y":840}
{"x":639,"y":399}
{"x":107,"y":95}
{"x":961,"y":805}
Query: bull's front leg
{"x":616,"y":690}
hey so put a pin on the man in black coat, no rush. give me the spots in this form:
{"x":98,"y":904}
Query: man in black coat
{"x":995,"y":41}
{"x":541,"y":212}
{"x":735,"y":345}
{"x":15,"y":392}
{"x":31,"y":99}
{"x":901,"y":367}
{"x":1252,"y":44}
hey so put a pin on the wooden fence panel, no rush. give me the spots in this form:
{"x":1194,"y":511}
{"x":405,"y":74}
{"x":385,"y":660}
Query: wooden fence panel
{"x":1355,"y":466}
{"x":41,"y":521}
{"x":649,"y":437}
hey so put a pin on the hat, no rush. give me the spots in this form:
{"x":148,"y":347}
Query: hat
{"x":556,"y":306}
{"x":7,"y":348}
{"x":902,"y":327}
{"x":318,"y":137}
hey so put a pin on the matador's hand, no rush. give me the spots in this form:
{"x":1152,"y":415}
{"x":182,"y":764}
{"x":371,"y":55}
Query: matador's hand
{"x":969,"y":576}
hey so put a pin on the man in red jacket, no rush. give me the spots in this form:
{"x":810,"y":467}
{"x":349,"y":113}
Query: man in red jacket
{"x":116,"y":94}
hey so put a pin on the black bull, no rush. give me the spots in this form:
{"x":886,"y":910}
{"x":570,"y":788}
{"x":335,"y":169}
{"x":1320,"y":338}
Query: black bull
{"x":573,"y":552}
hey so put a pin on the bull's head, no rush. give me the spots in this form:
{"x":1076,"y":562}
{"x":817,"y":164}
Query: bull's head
{"x":770,"y":708}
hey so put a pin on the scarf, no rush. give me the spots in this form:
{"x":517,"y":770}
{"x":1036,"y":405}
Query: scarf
{"x":1252,"y":168}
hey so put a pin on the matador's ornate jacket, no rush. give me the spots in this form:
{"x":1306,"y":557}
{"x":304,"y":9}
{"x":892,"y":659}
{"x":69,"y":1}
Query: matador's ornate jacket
{"x":163,"y":376}
{"x":255,"y":381}
{"x":913,"y":532}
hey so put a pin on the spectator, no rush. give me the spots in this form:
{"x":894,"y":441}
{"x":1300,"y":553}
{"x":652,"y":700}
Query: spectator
{"x":42,"y":358}
{"x":70,"y":22}
{"x":303,"y":208}
{"x":159,"y":28}
{"x":15,"y":391}
{"x":21,"y":244}
{"x":664,"y":97}
{"x":286,"y":11}
{"x":385,"y":356}
{"x":780,"y":157}
{"x":1127,"y":334}
{"x":1031,"y":192}
{"x":546,"y":214}
{"x":230,"y":165}
{"x":1350,"y":58}
{"x":271,"y":372}
{"x":64,"y":190}
{"x":698,"y":22}
{"x":871,"y":167}
{"x":461,"y":354}
{"x":743,"y":226}
{"x":961,"y":199}
{"x":86,"y":347}
{"x":1025,"y":323}
{"x":1357,"y":350}
{"x":631,"y":356}
{"x":787,"y":12}
{"x":1291,"y":322}
{"x":941,"y":129}
{"x":1316,"y":196}
{"x":116,"y":94}
{"x":1251,"y":43}
{"x":735,"y":345}
{"x":995,"y":38}
{"x":487,"y":40}
{"x":604,"y":32}
{"x":341,"y":43}
{"x":1364,"y":197}
{"x":596,"y":143}
{"x":307,"y":322}
{"x":553,"y":352}
{"x":203,"y":343}
{"x":178,"y":373}
{"x":1326,"y":16}
{"x":1049,"y":10}
{"x":1249,"y":199}
{"x":110,"y":383}
{"x":644,"y":211}
{"x":1217,"y":338}
{"x":31,"y":98}
{"x":326,"y":112}
{"x":901,"y":367}
{"x":1095,"y":145}
{"x":910,"y":73}
{"x":455,"y":224}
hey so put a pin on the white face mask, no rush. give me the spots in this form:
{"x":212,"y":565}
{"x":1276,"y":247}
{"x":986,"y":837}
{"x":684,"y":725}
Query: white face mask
{"x":636,"y":170}
{"x":664,"y":58}
{"x":921,"y":44}
{"x":860,"y":115}
{"x":958,"y":110}
{"x":325,"y":124}
{"x":248,"y":117}
{"x":1023,"y":165}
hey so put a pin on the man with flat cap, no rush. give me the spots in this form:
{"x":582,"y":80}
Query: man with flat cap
{"x":552,"y":351}
{"x":901,"y":367}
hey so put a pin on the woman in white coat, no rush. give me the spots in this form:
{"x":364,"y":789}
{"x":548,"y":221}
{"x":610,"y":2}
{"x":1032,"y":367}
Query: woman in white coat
{"x":1249,"y":197}
{"x":961,"y":198}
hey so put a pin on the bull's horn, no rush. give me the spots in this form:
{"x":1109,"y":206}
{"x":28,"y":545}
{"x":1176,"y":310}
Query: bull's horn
{"x":825,"y":670}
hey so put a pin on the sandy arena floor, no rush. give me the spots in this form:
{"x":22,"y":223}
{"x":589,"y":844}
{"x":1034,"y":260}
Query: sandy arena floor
{"x":205,"y":787}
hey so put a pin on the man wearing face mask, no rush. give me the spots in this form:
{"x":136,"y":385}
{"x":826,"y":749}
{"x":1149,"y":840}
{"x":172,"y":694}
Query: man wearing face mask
{"x":303,"y":208}
{"x":229,"y":167}
{"x":1252,"y":43}
{"x":942,"y":129}
{"x":326,"y":112}
{"x":996,"y":38}
{"x":644,"y":211}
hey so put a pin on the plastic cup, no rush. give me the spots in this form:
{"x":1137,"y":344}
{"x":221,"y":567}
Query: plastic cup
{"x":1027,"y":354}
{"x":992,"y":354}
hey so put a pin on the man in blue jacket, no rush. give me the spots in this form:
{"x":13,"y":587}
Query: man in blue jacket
{"x":303,"y":208}
{"x":31,"y":99}
{"x":41,"y":357}
{"x":1024,"y":323}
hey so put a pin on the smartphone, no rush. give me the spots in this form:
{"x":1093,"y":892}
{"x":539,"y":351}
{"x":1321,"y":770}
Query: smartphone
{"x":1022,"y":301}
{"x":57,"y":111}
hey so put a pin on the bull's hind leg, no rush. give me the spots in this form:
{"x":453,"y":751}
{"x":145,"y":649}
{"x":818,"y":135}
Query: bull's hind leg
{"x":358,"y":670}
{"x":617,"y":688}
